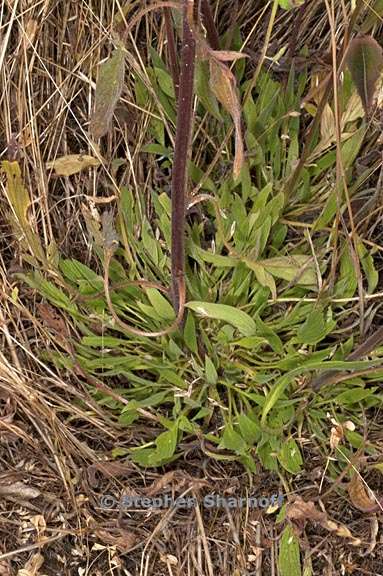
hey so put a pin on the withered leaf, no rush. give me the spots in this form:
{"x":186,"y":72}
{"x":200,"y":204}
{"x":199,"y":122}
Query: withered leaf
{"x":110,"y":236}
{"x":109,"y":470}
{"x":5,"y":568}
{"x":299,"y":509}
{"x":108,"y":91}
{"x":19,"y":202}
{"x":19,"y":490}
{"x":365,"y":62}
{"x":32,"y":567}
{"x":227,"y":55}
{"x":53,"y":320}
{"x":359,"y":496}
{"x":122,"y":539}
{"x":72,"y":164}
{"x":223,"y":86}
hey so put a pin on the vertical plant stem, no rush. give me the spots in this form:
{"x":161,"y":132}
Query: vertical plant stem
{"x":208,"y":22}
{"x":172,"y":53}
{"x":181,"y":155}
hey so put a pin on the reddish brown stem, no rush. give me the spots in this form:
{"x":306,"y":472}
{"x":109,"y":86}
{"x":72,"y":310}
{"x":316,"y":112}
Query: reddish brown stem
{"x":208,"y":22}
{"x":181,"y":154}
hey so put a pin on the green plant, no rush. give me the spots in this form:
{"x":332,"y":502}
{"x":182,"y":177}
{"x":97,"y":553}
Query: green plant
{"x":266,"y":306}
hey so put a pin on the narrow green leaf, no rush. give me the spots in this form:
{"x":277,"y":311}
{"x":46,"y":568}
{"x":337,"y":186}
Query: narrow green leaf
{"x":353,"y":396}
{"x":290,"y":456}
{"x":163,"y":308}
{"x":315,"y":328}
{"x":297,"y":268}
{"x":250,"y":430}
{"x":274,"y":394}
{"x":108,"y":91}
{"x":289,"y":557}
{"x":166,"y":443}
{"x":231,"y":440}
{"x":210,"y":371}
{"x":242,"y":321}
{"x":190,"y":335}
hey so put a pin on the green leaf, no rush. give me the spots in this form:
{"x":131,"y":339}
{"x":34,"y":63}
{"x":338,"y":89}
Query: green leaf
{"x":210,"y":371}
{"x":297,"y":268}
{"x":374,"y":16}
{"x":289,"y":562}
{"x":274,"y":394}
{"x":263,"y":277}
{"x":157,"y":149}
{"x":268,"y":333}
{"x":80,"y":274}
{"x":166,"y":443}
{"x":237,"y":318}
{"x":231,"y":440}
{"x":315,"y":328}
{"x":190,"y":335}
{"x":267,"y":457}
{"x":289,"y":4}
{"x":353,"y":396}
{"x":365,"y":62}
{"x":249,"y":429}
{"x":165,"y":82}
{"x":108,"y":91}
{"x":290,"y":457}
{"x":163,"y":308}
{"x":348,"y":282}
{"x":368,"y":266}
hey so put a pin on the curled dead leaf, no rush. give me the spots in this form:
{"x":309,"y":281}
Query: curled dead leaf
{"x":109,"y":470}
{"x":19,"y":490}
{"x":53,"y":320}
{"x":121,"y":539}
{"x":72,"y":164}
{"x":39,"y":523}
{"x":299,"y":509}
{"x":228,"y":55}
{"x":336,"y":435}
{"x":223,"y":86}
{"x":169,"y":559}
{"x":5,"y":568}
{"x":32,"y":567}
{"x":359,"y":496}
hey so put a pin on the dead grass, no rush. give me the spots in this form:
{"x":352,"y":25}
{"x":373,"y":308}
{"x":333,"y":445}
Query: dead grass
{"x":55,"y":441}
